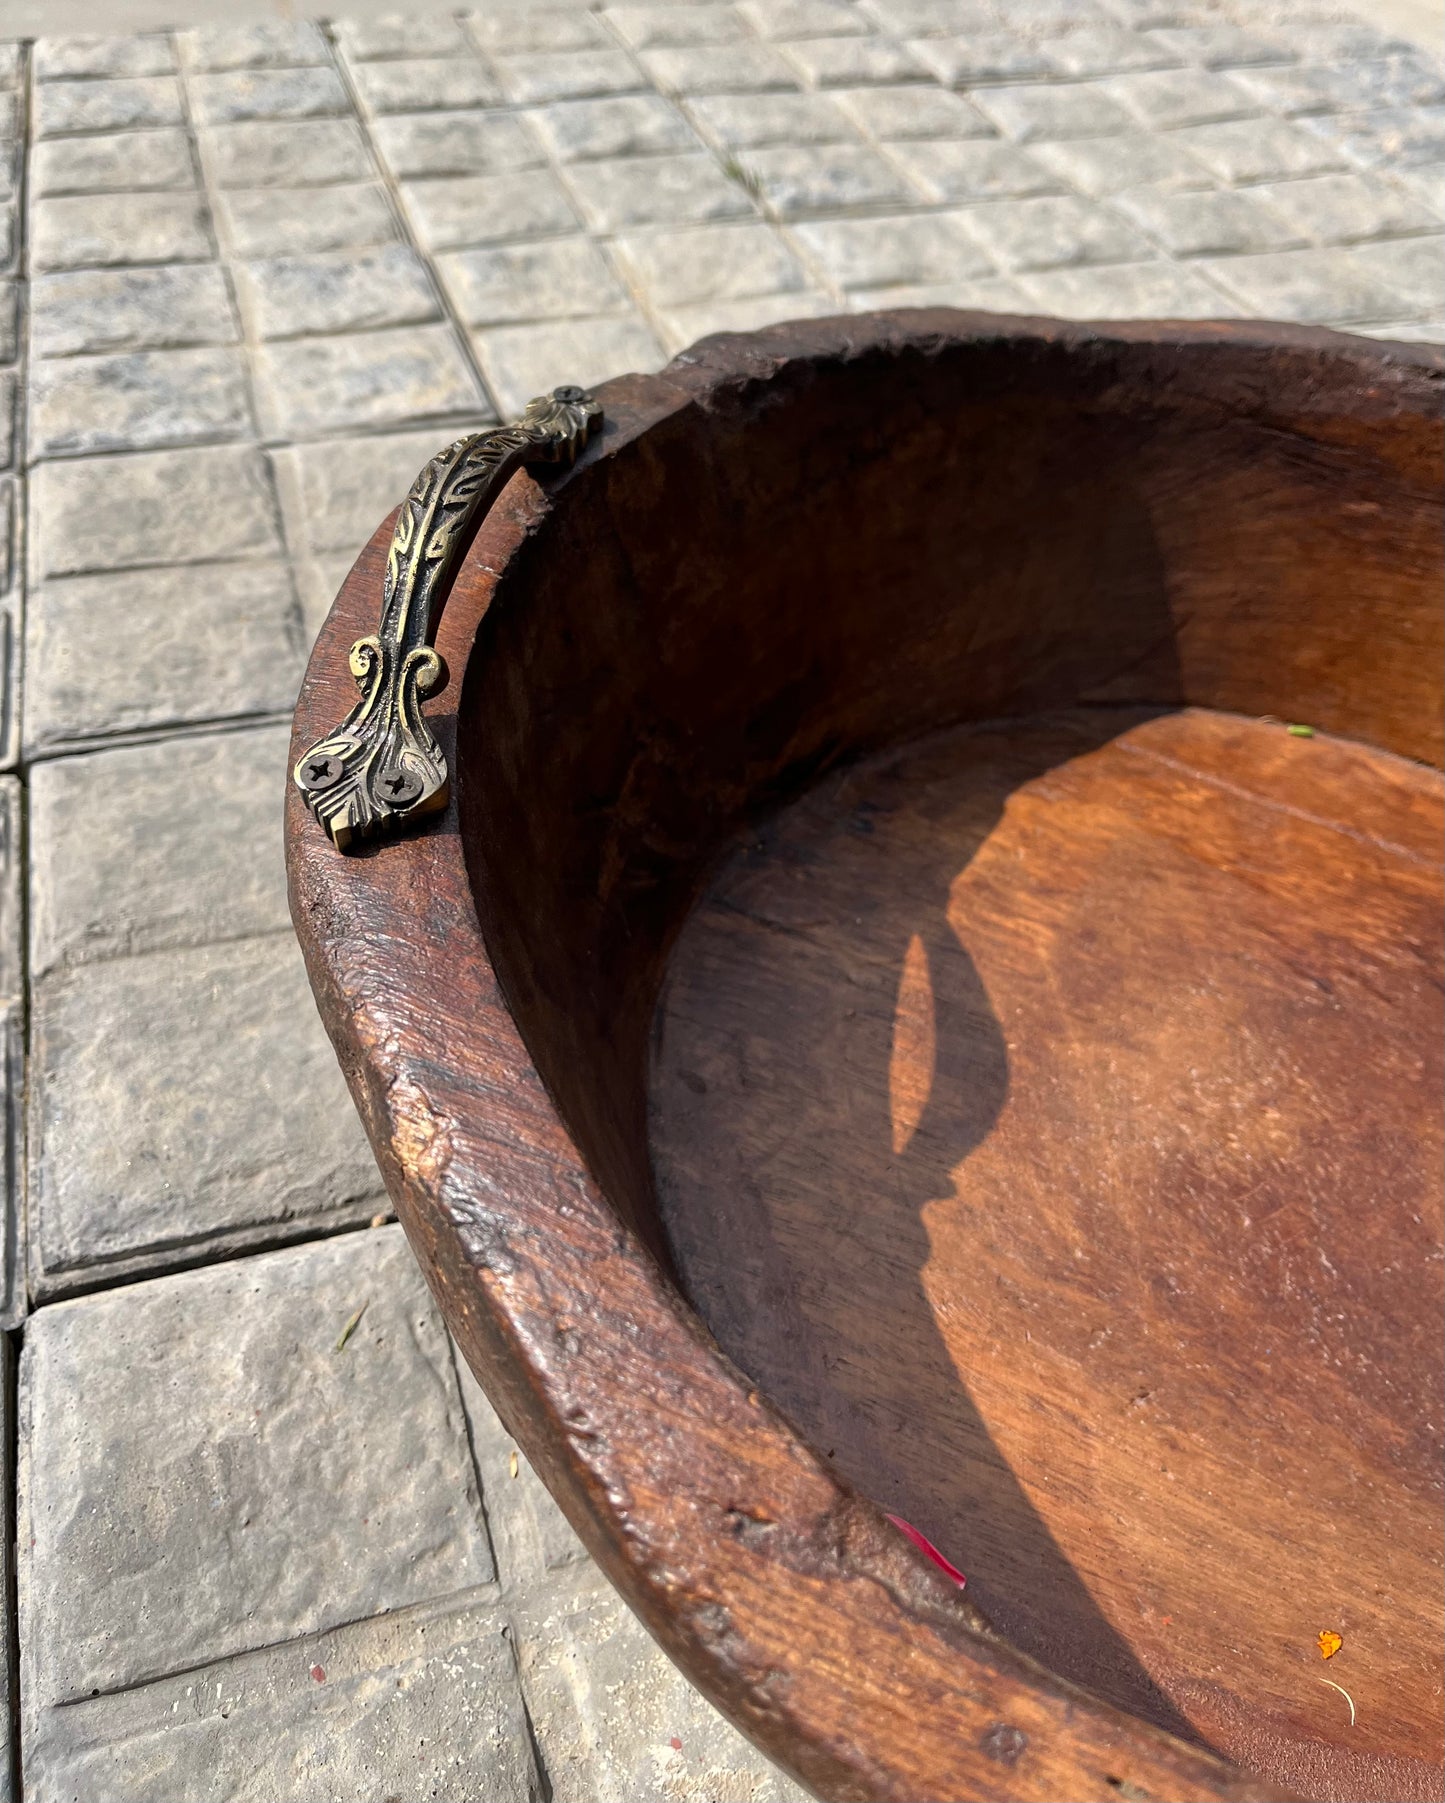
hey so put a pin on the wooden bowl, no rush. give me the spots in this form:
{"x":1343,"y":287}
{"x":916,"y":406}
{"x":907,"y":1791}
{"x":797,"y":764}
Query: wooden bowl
{"x":925,"y":1001}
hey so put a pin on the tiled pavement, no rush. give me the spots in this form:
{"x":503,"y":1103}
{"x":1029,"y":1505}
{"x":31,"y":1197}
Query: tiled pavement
{"x":263,"y":273}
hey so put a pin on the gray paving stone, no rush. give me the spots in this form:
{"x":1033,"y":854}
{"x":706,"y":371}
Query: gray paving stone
{"x":1298,"y":89}
{"x":852,"y":62}
{"x":1395,"y":139}
{"x":1043,"y":18}
{"x":317,"y":386}
{"x":1307,"y":285}
{"x":877,"y":253}
{"x":982,"y":57}
{"x":824,"y":178}
{"x":285,"y":222}
{"x":622,"y":125}
{"x":684,"y":326}
{"x":1210,"y":224}
{"x":725,"y":69}
{"x":422,"y":1703}
{"x":949,"y":169}
{"x":1344,"y":209}
{"x":9,"y":115}
{"x":535,"y":78}
{"x":662,"y":27}
{"x":1035,"y":114}
{"x":183,"y":1101}
{"x":230,"y":1481}
{"x":527,"y":29}
{"x":712,"y":262}
{"x":337,"y":291}
{"x":117,"y":867}
{"x":425,"y":85}
{"x":74,"y":231}
{"x":11,"y":64}
{"x":987,"y":294}
{"x":454,"y":213}
{"x":221,"y":642}
{"x":935,"y":18}
{"x":1259,"y":150}
{"x":137,"y":400}
{"x":1220,"y":46}
{"x":1427,"y":184}
{"x":116,"y":513}
{"x":747,"y":121}
{"x":130,"y":309}
{"x":102,"y":56}
{"x":113,"y":163}
{"x":9,"y":339}
{"x":455,"y":143}
{"x":1103,"y":166}
{"x":1414,"y":270}
{"x":559,"y":278}
{"x":1107,"y":50}
{"x":243,"y":94}
{"x":420,"y":34}
{"x":1164,"y":98}
{"x":662,"y":190}
{"x":1047,"y":233}
{"x":268,"y":44}
{"x":12,"y":880}
{"x":522,"y":361}
{"x":75,"y":106}
{"x":303,"y":153}
{"x":891,"y":113}
{"x":1159,"y":290}
{"x":805,"y":18}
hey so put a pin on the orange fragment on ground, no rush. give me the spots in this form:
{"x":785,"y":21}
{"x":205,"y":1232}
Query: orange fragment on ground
{"x":1330,"y":1643}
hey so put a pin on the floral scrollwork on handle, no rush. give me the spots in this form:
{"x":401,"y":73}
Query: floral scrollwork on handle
{"x":383,"y":766}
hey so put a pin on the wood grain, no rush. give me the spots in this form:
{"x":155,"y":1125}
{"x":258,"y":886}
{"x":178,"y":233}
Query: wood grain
{"x":788,"y":552}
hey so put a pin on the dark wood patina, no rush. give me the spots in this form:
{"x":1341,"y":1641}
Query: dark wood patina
{"x":785,"y":556}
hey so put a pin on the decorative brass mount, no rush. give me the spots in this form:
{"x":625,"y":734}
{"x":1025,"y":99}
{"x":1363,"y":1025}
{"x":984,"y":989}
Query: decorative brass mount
{"x":382,"y":766}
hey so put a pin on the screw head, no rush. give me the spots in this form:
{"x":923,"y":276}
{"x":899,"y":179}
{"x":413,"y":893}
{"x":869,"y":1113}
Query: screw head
{"x":321,"y":770}
{"x":400,"y":787}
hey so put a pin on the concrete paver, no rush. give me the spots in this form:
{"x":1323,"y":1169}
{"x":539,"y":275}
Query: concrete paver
{"x":268,"y":268}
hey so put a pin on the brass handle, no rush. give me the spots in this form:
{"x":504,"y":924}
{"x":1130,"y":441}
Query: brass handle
{"x":382,"y":766}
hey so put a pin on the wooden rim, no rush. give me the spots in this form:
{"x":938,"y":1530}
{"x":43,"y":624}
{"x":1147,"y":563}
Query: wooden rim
{"x":727,"y":1534}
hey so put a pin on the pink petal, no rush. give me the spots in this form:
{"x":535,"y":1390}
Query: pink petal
{"x":925,"y":1545}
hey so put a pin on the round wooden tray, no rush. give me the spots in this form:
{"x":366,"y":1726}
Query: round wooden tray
{"x":894,"y":1019}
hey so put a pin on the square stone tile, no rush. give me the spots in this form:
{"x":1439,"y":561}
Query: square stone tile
{"x":115,"y":57}
{"x":658,"y":191}
{"x":264,"y":44}
{"x":316,"y":386}
{"x":534,"y":78}
{"x":1045,"y":233}
{"x":184,"y":1102}
{"x":1203,"y":225}
{"x":522,"y":361}
{"x":1107,"y":50}
{"x":726,"y":69}
{"x":891,"y":113}
{"x":806,"y":18}
{"x":112,"y":163}
{"x":622,"y":125}
{"x":655,"y":27}
{"x":824,"y":178}
{"x":1298,"y":89}
{"x":986,"y":56}
{"x":1158,"y":290}
{"x":417,"y":34}
{"x":1163,"y":98}
{"x":749,"y":121}
{"x":285,"y":222}
{"x":950,"y":169}
{"x":438,"y":84}
{"x":522,"y":27}
{"x":137,"y":400}
{"x":1220,"y":46}
{"x":118,"y":867}
{"x":852,"y":62}
{"x":1036,"y":114}
{"x":77,"y":106}
{"x":1412,"y":268}
{"x":130,"y":309}
{"x":935,"y":18}
{"x":712,"y":262}
{"x":1103,"y":166}
{"x":221,"y":642}
{"x":76,"y":231}
{"x":1258,"y":150}
{"x":560,"y":278}
{"x":117,"y":513}
{"x":1307,"y":285}
{"x":453,"y":213}
{"x":877,"y":253}
{"x":1347,"y":209}
{"x":205,"y":1474}
{"x":465,"y":143}
{"x":336,"y":291}
{"x":1394,"y":140}
{"x":259,"y":93}
{"x":289,"y":153}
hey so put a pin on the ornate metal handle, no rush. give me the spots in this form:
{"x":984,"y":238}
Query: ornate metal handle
{"x":382,"y":766}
